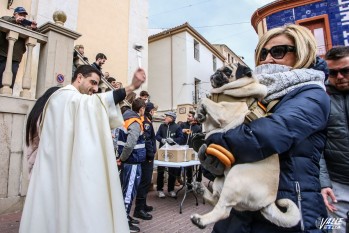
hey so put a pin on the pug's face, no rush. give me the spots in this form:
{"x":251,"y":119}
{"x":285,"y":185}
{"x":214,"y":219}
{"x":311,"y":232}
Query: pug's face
{"x":220,"y":77}
{"x":224,"y":75}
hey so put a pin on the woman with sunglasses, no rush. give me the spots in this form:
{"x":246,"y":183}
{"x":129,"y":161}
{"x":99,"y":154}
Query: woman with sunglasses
{"x":294,"y":130}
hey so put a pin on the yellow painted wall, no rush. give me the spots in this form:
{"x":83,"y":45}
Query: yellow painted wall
{"x":24,"y":3}
{"x":104,"y":28}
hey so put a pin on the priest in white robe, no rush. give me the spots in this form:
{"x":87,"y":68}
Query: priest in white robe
{"x":75,"y":186}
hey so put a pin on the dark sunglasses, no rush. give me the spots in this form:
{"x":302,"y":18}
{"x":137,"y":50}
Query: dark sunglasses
{"x":277,"y":52}
{"x":334,"y":73}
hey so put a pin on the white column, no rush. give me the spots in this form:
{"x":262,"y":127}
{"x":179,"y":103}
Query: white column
{"x":26,"y":84}
{"x":7,"y":75}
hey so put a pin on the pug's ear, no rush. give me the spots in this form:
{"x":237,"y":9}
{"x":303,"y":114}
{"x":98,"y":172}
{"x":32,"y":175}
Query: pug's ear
{"x":227,"y":71}
{"x":243,"y":71}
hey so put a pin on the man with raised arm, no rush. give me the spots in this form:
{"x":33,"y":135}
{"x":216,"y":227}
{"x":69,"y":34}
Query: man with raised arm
{"x":75,"y":185}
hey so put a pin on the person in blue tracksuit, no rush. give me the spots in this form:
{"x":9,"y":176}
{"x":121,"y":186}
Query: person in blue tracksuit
{"x":295,"y":130}
{"x":132,"y":152}
{"x":141,"y":207}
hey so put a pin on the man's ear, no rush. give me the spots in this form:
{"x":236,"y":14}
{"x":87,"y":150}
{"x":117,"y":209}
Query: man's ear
{"x":79,"y":78}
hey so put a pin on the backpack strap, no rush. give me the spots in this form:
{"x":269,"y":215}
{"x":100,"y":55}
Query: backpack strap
{"x":220,"y":97}
{"x":258,"y":110}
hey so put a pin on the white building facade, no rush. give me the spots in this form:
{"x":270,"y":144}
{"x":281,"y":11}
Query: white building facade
{"x":181,"y":62}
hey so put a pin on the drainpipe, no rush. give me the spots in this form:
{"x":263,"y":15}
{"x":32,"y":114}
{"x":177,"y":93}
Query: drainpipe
{"x":171,"y":74}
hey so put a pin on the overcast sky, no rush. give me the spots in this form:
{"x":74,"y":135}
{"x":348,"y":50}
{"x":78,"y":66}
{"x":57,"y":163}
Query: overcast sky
{"x":219,"y":21}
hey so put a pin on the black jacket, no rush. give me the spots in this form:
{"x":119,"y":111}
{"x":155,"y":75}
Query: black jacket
{"x":149,"y":137}
{"x":194,"y":128}
{"x":19,"y":47}
{"x":97,"y":67}
{"x":171,"y":130}
{"x":336,"y":150}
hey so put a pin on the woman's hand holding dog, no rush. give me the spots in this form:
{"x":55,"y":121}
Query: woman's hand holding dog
{"x":210,"y":162}
{"x":216,"y":157}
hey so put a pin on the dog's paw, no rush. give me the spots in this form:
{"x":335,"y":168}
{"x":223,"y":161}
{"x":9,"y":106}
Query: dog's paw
{"x":200,"y":114}
{"x":197,"y":221}
{"x":198,"y":188}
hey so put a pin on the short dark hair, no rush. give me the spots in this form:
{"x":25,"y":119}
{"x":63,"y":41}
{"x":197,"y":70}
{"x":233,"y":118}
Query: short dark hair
{"x":124,"y":108}
{"x":144,"y":93}
{"x":111,"y":79}
{"x":138,"y":104}
{"x":86,"y":71}
{"x":337,"y":53}
{"x":100,"y":56}
{"x":192,"y":113}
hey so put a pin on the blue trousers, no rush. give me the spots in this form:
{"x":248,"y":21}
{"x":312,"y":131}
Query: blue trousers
{"x":131,"y":177}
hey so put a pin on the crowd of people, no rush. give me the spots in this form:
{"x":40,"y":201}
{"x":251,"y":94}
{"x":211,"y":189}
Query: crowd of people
{"x":75,"y":184}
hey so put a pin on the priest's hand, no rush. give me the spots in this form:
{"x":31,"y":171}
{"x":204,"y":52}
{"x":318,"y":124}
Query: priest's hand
{"x":138,"y":79}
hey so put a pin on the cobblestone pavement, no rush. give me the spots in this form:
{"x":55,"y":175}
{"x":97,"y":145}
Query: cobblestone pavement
{"x":166,"y":216}
{"x":9,"y":223}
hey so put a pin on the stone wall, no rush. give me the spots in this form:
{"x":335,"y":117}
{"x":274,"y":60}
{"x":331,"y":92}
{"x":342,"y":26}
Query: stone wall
{"x":13,"y":164}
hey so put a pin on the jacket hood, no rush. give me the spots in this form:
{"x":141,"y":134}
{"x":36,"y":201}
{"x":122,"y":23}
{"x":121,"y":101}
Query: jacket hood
{"x":321,"y":65}
{"x":130,"y":114}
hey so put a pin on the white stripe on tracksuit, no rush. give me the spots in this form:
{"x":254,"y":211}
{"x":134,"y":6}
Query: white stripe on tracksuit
{"x":121,"y":143}
{"x":131,"y":183}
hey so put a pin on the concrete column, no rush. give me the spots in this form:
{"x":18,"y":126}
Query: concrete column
{"x":56,"y":57}
{"x":7,"y":75}
{"x":26,"y":84}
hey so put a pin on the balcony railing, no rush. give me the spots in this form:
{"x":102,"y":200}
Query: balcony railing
{"x":31,"y":37}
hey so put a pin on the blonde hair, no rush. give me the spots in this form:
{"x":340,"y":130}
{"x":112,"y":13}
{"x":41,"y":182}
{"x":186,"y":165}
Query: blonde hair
{"x":303,"y":39}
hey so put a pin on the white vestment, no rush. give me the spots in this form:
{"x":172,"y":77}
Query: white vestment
{"x":75,"y":186}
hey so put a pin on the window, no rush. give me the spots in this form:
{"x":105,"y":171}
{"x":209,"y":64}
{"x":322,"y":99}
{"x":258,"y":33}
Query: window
{"x":196,"y":90}
{"x":196,"y":50}
{"x":319,"y":26}
{"x":229,"y":58}
{"x":320,"y":39}
{"x":214,"y":60}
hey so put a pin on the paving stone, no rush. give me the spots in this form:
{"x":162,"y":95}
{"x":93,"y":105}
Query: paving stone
{"x":166,"y":216}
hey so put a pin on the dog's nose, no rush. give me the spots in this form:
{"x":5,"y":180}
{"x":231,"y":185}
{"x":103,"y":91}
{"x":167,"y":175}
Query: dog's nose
{"x":201,"y":117}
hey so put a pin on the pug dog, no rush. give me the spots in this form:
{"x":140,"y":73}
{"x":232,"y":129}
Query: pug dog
{"x":233,"y":94}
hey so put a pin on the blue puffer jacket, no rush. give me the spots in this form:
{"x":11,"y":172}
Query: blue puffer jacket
{"x":295,"y":131}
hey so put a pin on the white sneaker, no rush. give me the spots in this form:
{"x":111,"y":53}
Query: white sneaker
{"x":161,"y":194}
{"x":172,"y":194}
